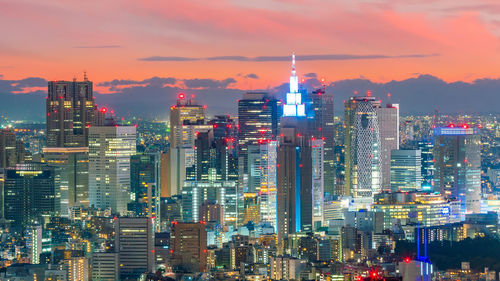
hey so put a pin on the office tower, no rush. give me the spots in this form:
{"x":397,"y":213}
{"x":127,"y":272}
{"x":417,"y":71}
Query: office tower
{"x":12,"y":151}
{"x":179,"y":160}
{"x":426,"y":146}
{"x":224,"y":127}
{"x":33,"y":236}
{"x":339,"y":164}
{"x":30,"y":193}
{"x":135,"y":246}
{"x":224,"y":193}
{"x":71,"y":172}
{"x":185,"y":112}
{"x":268,"y":177}
{"x":105,"y":266}
{"x":388,"y":124}
{"x":110,"y":148}
{"x":211,"y":212}
{"x":205,"y":157}
{"x":145,"y":185}
{"x":70,"y":113}
{"x":321,"y":114}
{"x":318,"y":175}
{"x":258,"y":120}
{"x":406,"y":168}
{"x":457,"y":154}
{"x":362,"y":147}
{"x":294,"y":167}
{"x":188,"y":246}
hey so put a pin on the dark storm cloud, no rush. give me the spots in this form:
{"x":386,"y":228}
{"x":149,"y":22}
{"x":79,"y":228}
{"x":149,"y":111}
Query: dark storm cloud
{"x":150,"y":81}
{"x":310,"y":75}
{"x":287,"y":58}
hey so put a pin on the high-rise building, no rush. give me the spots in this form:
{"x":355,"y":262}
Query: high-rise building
{"x":224,"y":193}
{"x":318,"y":176}
{"x":134,"y":243}
{"x":268,"y":184}
{"x":188,"y":246}
{"x":457,"y":154}
{"x":321,"y":114}
{"x":145,"y":185}
{"x":71,"y":172}
{"x":12,"y":151}
{"x":388,"y":124}
{"x":33,"y":236}
{"x":29,"y":193}
{"x":105,"y":266}
{"x":178,"y":160}
{"x":406,"y":170}
{"x":185,"y":112}
{"x":294,"y":167}
{"x":70,"y":113}
{"x":77,"y":268}
{"x":258,"y":121}
{"x":110,"y":149}
{"x":362,"y":147}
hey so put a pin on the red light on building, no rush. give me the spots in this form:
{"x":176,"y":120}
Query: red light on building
{"x":300,"y":165}
{"x":452,"y":126}
{"x":181,"y":96}
{"x":103,"y":110}
{"x":407,"y":260}
{"x":465,"y":126}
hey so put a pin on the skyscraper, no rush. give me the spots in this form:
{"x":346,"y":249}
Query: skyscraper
{"x":185,"y":112}
{"x":458,"y":165}
{"x":268,"y":184}
{"x":388,"y":123}
{"x":258,"y":120}
{"x":29,"y":193}
{"x":294,"y":167}
{"x":135,"y":246}
{"x":110,"y":148}
{"x":362,"y":147}
{"x":70,"y":113}
{"x":12,"y":151}
{"x":189,"y":246}
{"x":406,"y":170}
{"x":318,"y":175}
{"x":71,"y":172}
{"x":145,"y":184}
{"x":321,"y":115}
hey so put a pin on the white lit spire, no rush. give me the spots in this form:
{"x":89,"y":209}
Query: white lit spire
{"x":294,"y":105}
{"x":294,"y":80}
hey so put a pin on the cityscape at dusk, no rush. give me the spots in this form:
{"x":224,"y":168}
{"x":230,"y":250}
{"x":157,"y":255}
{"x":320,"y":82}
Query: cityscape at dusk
{"x":250,"y":140}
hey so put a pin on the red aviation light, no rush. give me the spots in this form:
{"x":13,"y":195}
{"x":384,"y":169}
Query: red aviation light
{"x":407,"y":260}
{"x":103,"y":110}
{"x":465,"y":126}
{"x":452,"y":125}
{"x":181,"y":96}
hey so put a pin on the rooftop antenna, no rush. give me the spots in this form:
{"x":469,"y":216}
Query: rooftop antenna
{"x":293,"y":64}
{"x":85,"y":76}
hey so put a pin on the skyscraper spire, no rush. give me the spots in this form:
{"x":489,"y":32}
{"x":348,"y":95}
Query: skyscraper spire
{"x":294,"y":80}
{"x":293,"y":64}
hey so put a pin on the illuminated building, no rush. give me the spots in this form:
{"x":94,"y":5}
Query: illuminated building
{"x":70,"y":113}
{"x":294,"y":167}
{"x":406,"y":170}
{"x":188,"y":246}
{"x":251,"y":211}
{"x":185,"y":112}
{"x":12,"y":151}
{"x":33,"y":236}
{"x":457,"y":157}
{"x":224,"y":193}
{"x":29,"y":192}
{"x":77,"y":268}
{"x":72,"y":167}
{"x":134,"y":238}
{"x":145,"y":185}
{"x":258,"y":121}
{"x":286,"y":268}
{"x":105,"y":266}
{"x":362,"y":147}
{"x":110,"y":149}
{"x":318,"y":176}
{"x":268,"y":177}
{"x":413,"y":207}
{"x":320,"y":111}
{"x":178,"y":160}
{"x":388,"y":124}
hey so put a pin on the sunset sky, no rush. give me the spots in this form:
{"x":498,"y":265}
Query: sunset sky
{"x":380,"y":40}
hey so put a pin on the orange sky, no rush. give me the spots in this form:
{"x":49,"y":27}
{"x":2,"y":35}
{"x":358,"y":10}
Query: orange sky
{"x":57,"y":39}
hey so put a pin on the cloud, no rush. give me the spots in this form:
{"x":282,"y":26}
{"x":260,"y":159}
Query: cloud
{"x":150,"y":81}
{"x":287,"y":58}
{"x":310,"y":75}
{"x":208,"y":83}
{"x":98,"y":47}
{"x":251,"y":76}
